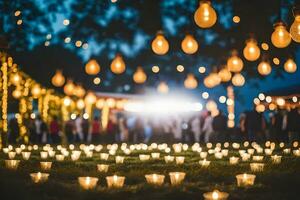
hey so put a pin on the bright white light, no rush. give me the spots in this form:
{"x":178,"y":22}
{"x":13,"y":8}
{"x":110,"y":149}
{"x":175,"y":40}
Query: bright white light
{"x":85,"y":116}
{"x":268,"y":99}
{"x":261,"y":96}
{"x":205,"y":95}
{"x":222,"y":99}
{"x":73,"y":116}
{"x":163,"y":106}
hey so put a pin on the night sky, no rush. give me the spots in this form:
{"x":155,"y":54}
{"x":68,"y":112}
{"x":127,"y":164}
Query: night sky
{"x":128,"y":27}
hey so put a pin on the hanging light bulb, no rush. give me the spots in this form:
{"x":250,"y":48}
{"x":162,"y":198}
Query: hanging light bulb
{"x":212,"y":80}
{"x":36,"y":90}
{"x":280,"y":37}
{"x":160,"y":44}
{"x":58,"y":79}
{"x":15,"y":78}
{"x":295,"y":29}
{"x":90,"y":98}
{"x":80,"y":104}
{"x":264,"y":68}
{"x":163,"y":88}
{"x":117,"y":66}
{"x":17,"y":93}
{"x":224,"y":74}
{"x":92,"y":67}
{"x":139,"y":76}
{"x":79,"y":91}
{"x":290,"y":66}
{"x":189,"y":45}
{"x":190,"y":82}
{"x":251,"y":51}
{"x":238,"y":80}
{"x":235,"y":63}
{"x":205,"y":16}
{"x":69,"y":88}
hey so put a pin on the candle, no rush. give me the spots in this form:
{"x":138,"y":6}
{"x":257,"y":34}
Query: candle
{"x":60,"y":157}
{"x":87,"y":183}
{"x":115,"y":181}
{"x":224,"y":152}
{"x":26,"y":155}
{"x":287,"y":151}
{"x":104,"y":156}
{"x":39,"y":177}
{"x":203,"y":155}
{"x":204,"y":163}
{"x":233,"y":160}
{"x":11,"y":154}
{"x":88,"y":154}
{"x":18,"y":150}
{"x":179,"y":160}
{"x":144,"y":157}
{"x":46,"y":166}
{"x":169,"y":159}
{"x":215,"y":195}
{"x":155,"y":179}
{"x":12,"y":164}
{"x":102,"y":168}
{"x":296,"y":152}
{"x":75,"y":156}
{"x":5,"y":150}
{"x":257,"y":167}
{"x":177,"y":148}
{"x":51,"y":153}
{"x":218,"y":155}
{"x":276,"y":159}
{"x":251,"y":151}
{"x":176,"y":177}
{"x":44,"y":154}
{"x":244,"y":180}
{"x":155,"y":155}
{"x":257,"y":158}
{"x":245,"y":156}
{"x":119,"y":159}
{"x":268,"y":152}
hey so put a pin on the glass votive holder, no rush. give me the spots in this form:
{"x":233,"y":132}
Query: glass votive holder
{"x":51,"y":153}
{"x":203,"y":154}
{"x":5,"y":150}
{"x":179,"y":160}
{"x":242,"y":151}
{"x":155,"y":155}
{"x":218,"y":155}
{"x":60,"y":157}
{"x":215,"y":195}
{"x":233,"y":160}
{"x":104,"y":156}
{"x":177,"y":148}
{"x":11,"y":154}
{"x":257,"y":167}
{"x":115,"y":181}
{"x":44,"y":154}
{"x":276,"y":159}
{"x":169,"y":159}
{"x":287,"y":151}
{"x":257,"y":158}
{"x":88,"y":154}
{"x":251,"y":151}
{"x":75,"y":156}
{"x":88,"y":183}
{"x":244,"y":180}
{"x":144,"y":157}
{"x":296,"y":152}
{"x":176,"y":178}
{"x":103,"y":168}
{"x":119,"y":159}
{"x":224,"y":152}
{"x":204,"y":163}
{"x":268,"y":152}
{"x":18,"y":150}
{"x":245,"y":157}
{"x":39,"y":177}
{"x":12,"y":164}
{"x":26,"y":155}
{"x":155,"y":179}
{"x":46,"y":166}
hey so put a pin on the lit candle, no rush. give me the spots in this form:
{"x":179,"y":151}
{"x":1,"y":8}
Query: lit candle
{"x":12,"y":164}
{"x":268,"y":152}
{"x":287,"y":151}
{"x":87,"y":183}
{"x":51,"y":153}
{"x":177,"y":148}
{"x":26,"y":155}
{"x":44,"y":154}
{"x":257,"y":158}
{"x":155,"y":155}
{"x":169,"y":159}
{"x":176,"y":177}
{"x":233,"y":160}
{"x":46,"y":166}
{"x":144,"y":157}
{"x":296,"y":152}
{"x":218,"y":155}
{"x":5,"y":150}
{"x":204,"y":163}
{"x":245,"y":157}
{"x":257,"y":167}
{"x":60,"y":157}
{"x":276,"y":159}
{"x":155,"y":179}
{"x":179,"y":160}
{"x":39,"y":177}
{"x":102,"y":168}
{"x":203,"y":154}
{"x":115,"y":181}
{"x":244,"y":180}
{"x":18,"y":150}
{"x":119,"y":159}
{"x":104,"y":156}
{"x":224,"y":152}
{"x":215,"y":195}
{"x":251,"y":151}
{"x":75,"y":156}
{"x":11,"y":154}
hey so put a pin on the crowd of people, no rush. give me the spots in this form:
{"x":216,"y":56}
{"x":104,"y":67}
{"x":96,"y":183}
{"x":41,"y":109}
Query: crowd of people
{"x":279,"y":126}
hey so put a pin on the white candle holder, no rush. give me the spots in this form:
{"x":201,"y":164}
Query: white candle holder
{"x":18,"y":150}
{"x":276,"y":159}
{"x":115,"y":181}
{"x":215,"y":195}
{"x":46,"y":166}
{"x":26,"y":155}
{"x":102,"y":168}
{"x":203,"y":154}
{"x":155,"y":155}
{"x":257,"y":167}
{"x":244,"y":180}
{"x":119,"y":159}
{"x":155,"y":179}
{"x":104,"y":156}
{"x":39,"y":177}
{"x":169,"y":159}
{"x":233,"y":160}
{"x":60,"y":157}
{"x":12,"y":164}
{"x":44,"y":155}
{"x":179,"y":160}
{"x":204,"y":163}
{"x":257,"y":158}
{"x":176,"y":178}
{"x":11,"y":154}
{"x":144,"y":157}
{"x":88,"y":183}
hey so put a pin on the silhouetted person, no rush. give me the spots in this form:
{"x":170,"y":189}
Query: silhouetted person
{"x":95,"y":130}
{"x":220,"y":127}
{"x":293,"y":125}
{"x":38,"y":130}
{"x":33,"y":137}
{"x":69,"y":130}
{"x":85,"y":129}
{"x":255,"y":124}
{"x":54,"y":130}
{"x":13,"y":131}
{"x":208,"y":128}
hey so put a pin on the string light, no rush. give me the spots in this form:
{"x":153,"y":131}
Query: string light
{"x":236,"y":19}
{"x":66,"y":22}
{"x":276,"y":61}
{"x":180,"y":68}
{"x":202,"y":70}
{"x":155,"y":69}
{"x":78,"y":43}
{"x":160,"y":45}
{"x":205,"y":16}
{"x":97,"y":81}
{"x":17,"y":13}
{"x":67,"y":40}
{"x":19,"y":22}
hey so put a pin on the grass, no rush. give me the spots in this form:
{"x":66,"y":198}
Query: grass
{"x":279,"y":181}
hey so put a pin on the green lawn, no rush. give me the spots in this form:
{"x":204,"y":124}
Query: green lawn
{"x":279,"y":181}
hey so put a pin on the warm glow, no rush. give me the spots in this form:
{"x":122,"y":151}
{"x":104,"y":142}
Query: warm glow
{"x":224,"y":74}
{"x":212,"y":80}
{"x":180,"y":68}
{"x":251,"y":51}
{"x":189,"y":45}
{"x":280,"y":37}
{"x":36,"y":90}
{"x":117,"y":66}
{"x":160,"y":45}
{"x":15,"y":78}
{"x":295,"y":29}
{"x":265,"y":46}
{"x":139,"y":76}
{"x":201,"y":70}
{"x":58,"y":79}
{"x":163,"y":88}
{"x":264,"y":68}
{"x":69,"y":88}
{"x":80,"y":104}
{"x":290,"y":66}
{"x":236,"y":19}
{"x":155,"y":69}
{"x":92,"y":67}
{"x":96,"y":80}
{"x":190,"y":82}
{"x":276,"y":61}
{"x":235,"y":64}
{"x":205,"y":16}
{"x":90,"y":98}
{"x":238,"y":80}
{"x":79,"y":91}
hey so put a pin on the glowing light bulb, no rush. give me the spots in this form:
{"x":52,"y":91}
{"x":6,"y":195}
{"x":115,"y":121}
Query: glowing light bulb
{"x":36,"y":90}
{"x":92,"y":67}
{"x":190,"y":82}
{"x":205,"y":16}
{"x":295,"y":29}
{"x":264,"y":68}
{"x":189,"y":45}
{"x":155,"y":69}
{"x":139,"y":76}
{"x":290,"y":66}
{"x":280,"y":37}
{"x":160,"y":45}
{"x":118,"y":65}
{"x":235,"y":64}
{"x":180,"y":68}
{"x":224,"y":74}
{"x":251,"y":51}
{"x":69,"y":88}
{"x":238,"y":80}
{"x":58,"y":79}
